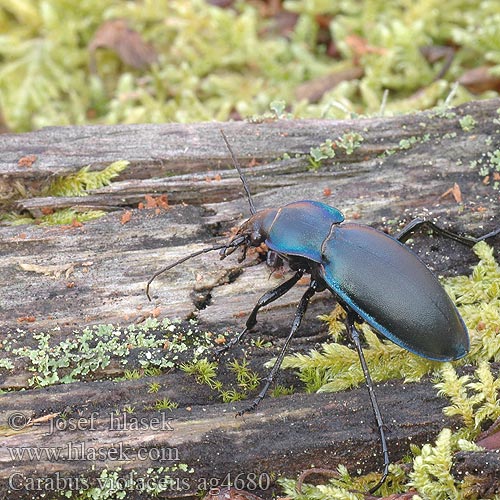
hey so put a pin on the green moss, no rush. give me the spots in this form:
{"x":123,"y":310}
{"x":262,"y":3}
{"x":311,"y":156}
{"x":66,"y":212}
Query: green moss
{"x":77,"y":184}
{"x":88,"y":352}
{"x":85,"y":180}
{"x":118,"y":484}
{"x":467,"y":123}
{"x":214,"y":61}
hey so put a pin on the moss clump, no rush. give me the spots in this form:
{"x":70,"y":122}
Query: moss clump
{"x":214,"y":62}
{"x":475,"y":399}
{"x":86,"y":353}
{"x":77,"y":184}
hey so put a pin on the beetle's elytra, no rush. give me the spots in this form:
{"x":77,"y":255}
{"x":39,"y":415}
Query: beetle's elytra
{"x":374,"y":276}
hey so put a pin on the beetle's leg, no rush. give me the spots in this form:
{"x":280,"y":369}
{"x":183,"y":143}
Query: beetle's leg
{"x":417,"y":223}
{"x":267,"y":298}
{"x":301,"y":310}
{"x":354,"y":334}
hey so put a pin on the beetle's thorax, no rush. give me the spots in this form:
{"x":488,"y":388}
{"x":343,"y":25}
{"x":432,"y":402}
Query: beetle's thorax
{"x":257,"y":228}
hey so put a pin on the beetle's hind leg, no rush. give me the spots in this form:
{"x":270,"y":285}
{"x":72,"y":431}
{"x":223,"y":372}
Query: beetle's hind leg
{"x":417,"y":223}
{"x":267,"y":298}
{"x":355,"y":337}
{"x":301,"y":310}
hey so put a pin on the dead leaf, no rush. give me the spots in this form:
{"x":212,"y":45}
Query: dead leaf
{"x":125,"y":42}
{"x":26,"y":161}
{"x":455,"y":192}
{"x":313,"y":90}
{"x":480,"y":80}
{"x":327,"y":192}
{"x":26,"y":319}
{"x":126,"y":216}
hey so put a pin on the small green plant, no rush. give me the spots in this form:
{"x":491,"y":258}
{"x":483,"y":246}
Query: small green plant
{"x":231,"y":395}
{"x":203,"y":370}
{"x":246,"y":378}
{"x":278,"y":108}
{"x":467,"y":123}
{"x":165,"y":404}
{"x":128,"y":409}
{"x":280,"y":390}
{"x":260,"y":343}
{"x":153,"y":388}
{"x":325,"y":151}
{"x":350,"y":141}
{"x":132,"y":375}
{"x":152,"y":371}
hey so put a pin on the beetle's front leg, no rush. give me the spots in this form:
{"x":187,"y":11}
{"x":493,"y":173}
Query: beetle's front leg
{"x":301,"y":310}
{"x":417,"y":223}
{"x":267,"y":298}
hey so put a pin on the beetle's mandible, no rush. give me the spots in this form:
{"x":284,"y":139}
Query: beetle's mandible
{"x":374,"y":276}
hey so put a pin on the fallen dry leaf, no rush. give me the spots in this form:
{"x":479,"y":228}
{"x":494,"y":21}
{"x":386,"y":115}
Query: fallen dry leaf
{"x":313,"y":90}
{"x":127,"y":43}
{"x":479,"y":80}
{"x":26,"y":161}
{"x":55,"y":270}
{"x":26,"y":319}
{"x":455,"y":192}
{"x":126,"y":216}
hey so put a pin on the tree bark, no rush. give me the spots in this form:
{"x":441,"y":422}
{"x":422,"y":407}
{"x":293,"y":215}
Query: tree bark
{"x":71,"y":277}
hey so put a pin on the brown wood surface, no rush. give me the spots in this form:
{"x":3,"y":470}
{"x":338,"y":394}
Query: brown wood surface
{"x":77,"y":276}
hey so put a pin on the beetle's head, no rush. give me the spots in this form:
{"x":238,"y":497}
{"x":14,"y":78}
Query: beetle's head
{"x":252,"y":232}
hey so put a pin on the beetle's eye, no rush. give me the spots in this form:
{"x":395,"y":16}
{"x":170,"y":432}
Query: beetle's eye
{"x":255,"y":239}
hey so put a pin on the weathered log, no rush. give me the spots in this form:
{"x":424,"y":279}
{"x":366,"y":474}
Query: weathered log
{"x":76,"y":276}
{"x":284,"y":436}
{"x":121,"y":257}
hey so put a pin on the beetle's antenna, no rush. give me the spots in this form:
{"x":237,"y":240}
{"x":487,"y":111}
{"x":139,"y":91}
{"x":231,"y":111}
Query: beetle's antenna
{"x":242,"y":177}
{"x":236,"y":242}
{"x":180,"y":261}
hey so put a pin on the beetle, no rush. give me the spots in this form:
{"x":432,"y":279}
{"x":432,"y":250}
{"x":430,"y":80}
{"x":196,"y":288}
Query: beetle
{"x":374,"y":276}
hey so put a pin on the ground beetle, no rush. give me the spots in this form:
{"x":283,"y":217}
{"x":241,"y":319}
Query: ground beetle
{"x":375,"y":277}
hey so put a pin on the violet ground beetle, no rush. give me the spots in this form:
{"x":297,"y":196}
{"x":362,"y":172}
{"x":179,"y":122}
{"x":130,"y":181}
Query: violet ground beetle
{"x":375,"y":277}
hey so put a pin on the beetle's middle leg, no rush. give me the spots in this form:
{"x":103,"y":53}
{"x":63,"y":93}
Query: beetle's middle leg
{"x":267,"y":298}
{"x":417,"y":223}
{"x":355,"y":336}
{"x":301,"y":310}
